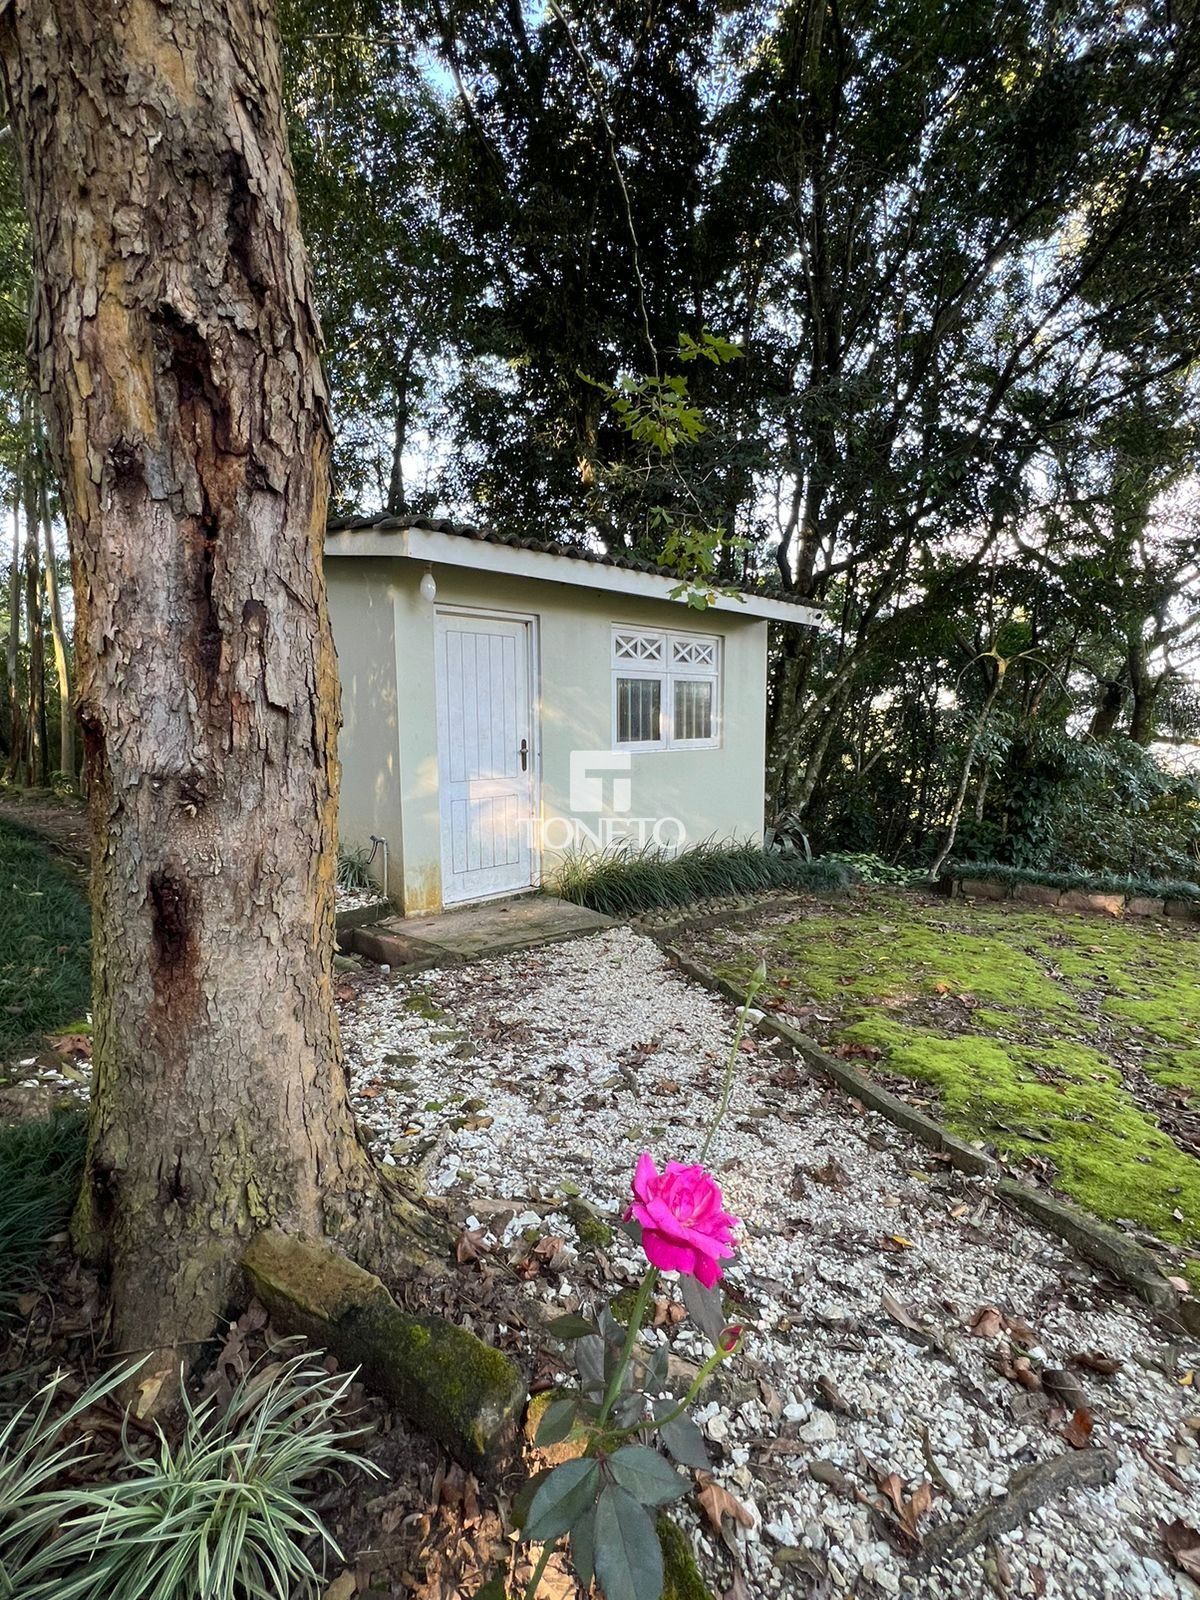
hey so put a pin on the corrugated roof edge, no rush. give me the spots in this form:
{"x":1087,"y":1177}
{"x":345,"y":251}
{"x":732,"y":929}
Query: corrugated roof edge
{"x":486,"y":535}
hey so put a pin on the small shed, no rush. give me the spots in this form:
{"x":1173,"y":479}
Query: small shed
{"x":506,"y":700}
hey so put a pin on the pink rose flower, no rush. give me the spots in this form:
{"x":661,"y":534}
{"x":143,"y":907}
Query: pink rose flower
{"x":683,"y":1226}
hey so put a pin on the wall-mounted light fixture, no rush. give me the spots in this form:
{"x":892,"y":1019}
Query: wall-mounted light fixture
{"x":428,"y":585}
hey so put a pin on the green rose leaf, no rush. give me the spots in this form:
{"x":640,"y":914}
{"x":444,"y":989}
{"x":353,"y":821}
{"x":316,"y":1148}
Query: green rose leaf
{"x":681,"y":1437}
{"x":572,"y":1326}
{"x":647,"y":1477}
{"x":629,"y":1410}
{"x":583,"y":1547}
{"x":589,"y":1362}
{"x":562,"y":1499}
{"x":706,"y":1306}
{"x":523,"y":1498}
{"x":628,"y":1555}
{"x":493,"y":1589}
{"x":557,"y":1421}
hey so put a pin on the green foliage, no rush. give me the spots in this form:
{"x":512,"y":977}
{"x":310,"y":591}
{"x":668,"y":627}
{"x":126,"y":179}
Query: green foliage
{"x":1096,"y":882}
{"x":1097,"y":806}
{"x":353,"y":867}
{"x":605,"y":1499}
{"x":45,"y":978}
{"x":38,"y":1445}
{"x":40,"y":1167}
{"x":873,"y":869}
{"x":222,"y":1513}
{"x":659,"y":416}
{"x":626,"y":879}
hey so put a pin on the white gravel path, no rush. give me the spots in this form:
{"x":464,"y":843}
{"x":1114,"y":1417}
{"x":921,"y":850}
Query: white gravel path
{"x":556,"y":1066}
{"x":541,"y":1075}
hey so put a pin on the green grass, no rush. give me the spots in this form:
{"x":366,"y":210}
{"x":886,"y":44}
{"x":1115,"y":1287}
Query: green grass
{"x":40,"y":1167}
{"x":626,"y":880}
{"x":1018,"y":1023}
{"x":45,"y":979}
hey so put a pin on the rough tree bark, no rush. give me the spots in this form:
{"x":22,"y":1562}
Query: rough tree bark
{"x":178,"y":358}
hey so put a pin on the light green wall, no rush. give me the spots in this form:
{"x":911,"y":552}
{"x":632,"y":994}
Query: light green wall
{"x":384,"y":633}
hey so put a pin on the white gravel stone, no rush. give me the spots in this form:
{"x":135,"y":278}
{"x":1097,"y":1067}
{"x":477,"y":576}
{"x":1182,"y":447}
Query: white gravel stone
{"x":545,"y":1073}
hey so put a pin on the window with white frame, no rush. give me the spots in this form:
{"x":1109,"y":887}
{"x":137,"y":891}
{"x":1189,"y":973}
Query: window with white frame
{"x":666,"y":690}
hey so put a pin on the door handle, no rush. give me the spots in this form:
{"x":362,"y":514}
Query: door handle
{"x":524,"y":754}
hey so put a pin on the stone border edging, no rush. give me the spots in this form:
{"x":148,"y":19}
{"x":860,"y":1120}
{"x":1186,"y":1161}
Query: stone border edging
{"x":1069,"y":1224}
{"x":364,"y":916}
{"x":1097,"y":901}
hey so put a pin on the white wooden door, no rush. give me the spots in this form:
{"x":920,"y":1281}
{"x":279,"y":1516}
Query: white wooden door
{"x":485,"y":755}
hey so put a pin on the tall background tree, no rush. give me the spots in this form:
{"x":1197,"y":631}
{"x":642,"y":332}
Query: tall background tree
{"x":957,"y":245}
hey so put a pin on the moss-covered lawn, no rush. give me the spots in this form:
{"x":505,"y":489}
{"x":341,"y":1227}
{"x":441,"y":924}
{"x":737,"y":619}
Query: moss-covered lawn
{"x":1069,"y":1043}
{"x":45,"y":981}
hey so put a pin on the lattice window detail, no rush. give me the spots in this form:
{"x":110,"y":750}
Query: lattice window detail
{"x":699,"y":653}
{"x":638,"y":647}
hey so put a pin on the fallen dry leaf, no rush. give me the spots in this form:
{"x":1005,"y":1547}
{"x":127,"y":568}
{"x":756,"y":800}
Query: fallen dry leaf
{"x":831,"y":1394}
{"x":916,"y":1506}
{"x":1018,"y":1329}
{"x":1167,"y":1474}
{"x":1017,"y":1369}
{"x":1181,"y":1284}
{"x":668,"y":1312}
{"x":470,"y":1245}
{"x":738,"y":1589}
{"x":716,"y":1503}
{"x":148,"y":1391}
{"x":891,"y":1484}
{"x":1093,"y":1361}
{"x":898,"y":1314}
{"x":985,"y":1324}
{"x":72,"y":1044}
{"x":1078,"y":1432}
{"x":832,"y":1175}
{"x":1183,"y":1542}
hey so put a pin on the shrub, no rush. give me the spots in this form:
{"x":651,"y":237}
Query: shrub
{"x":1103,"y":807}
{"x":1094,"y":882}
{"x":44,"y":930}
{"x":873,"y":869}
{"x":353,"y":867}
{"x":40,"y":1166}
{"x":220,"y":1514}
{"x":36,"y":1447}
{"x":625,"y":879}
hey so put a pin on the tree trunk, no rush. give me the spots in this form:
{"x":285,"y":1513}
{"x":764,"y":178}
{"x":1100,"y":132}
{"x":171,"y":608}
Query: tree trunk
{"x":178,"y":356}
{"x":1145,"y":687}
{"x":12,"y":652}
{"x":58,"y":637}
{"x":395,"y":495}
{"x":36,"y":681}
{"x":1143,"y":719}
{"x":1108,"y":712}
{"x":960,"y":794}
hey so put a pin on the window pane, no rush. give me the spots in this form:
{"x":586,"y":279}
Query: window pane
{"x":693,"y":710}
{"x":639,"y":710}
